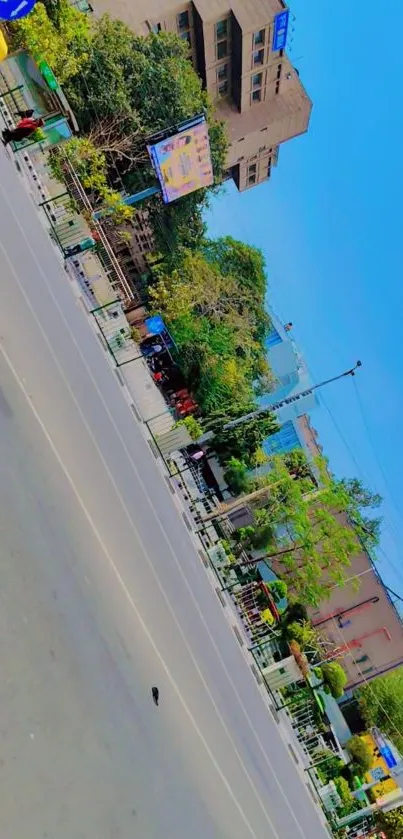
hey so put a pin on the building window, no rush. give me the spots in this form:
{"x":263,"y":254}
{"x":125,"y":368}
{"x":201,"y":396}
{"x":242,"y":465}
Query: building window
{"x":258,"y":38}
{"x":252,"y":173}
{"x":277,"y":87}
{"x":262,"y":148}
{"x":223,"y":88}
{"x":279,"y":69}
{"x":257,"y":80}
{"x":183,"y":21}
{"x":222,"y":72}
{"x":156,"y":28}
{"x":186,"y":36}
{"x":362,"y":659}
{"x":257,"y":96}
{"x":222,"y":49}
{"x":221,"y":30}
{"x":258,"y":58}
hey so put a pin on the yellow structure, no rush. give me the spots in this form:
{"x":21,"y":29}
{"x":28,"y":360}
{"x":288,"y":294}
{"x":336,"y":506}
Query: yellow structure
{"x":384,"y":787}
{"x":3,"y":47}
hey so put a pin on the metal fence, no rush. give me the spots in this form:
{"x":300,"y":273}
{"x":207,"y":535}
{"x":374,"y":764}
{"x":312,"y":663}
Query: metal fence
{"x":116,"y":332}
{"x":109,"y":262}
{"x":68,"y":227}
{"x":13,"y":97}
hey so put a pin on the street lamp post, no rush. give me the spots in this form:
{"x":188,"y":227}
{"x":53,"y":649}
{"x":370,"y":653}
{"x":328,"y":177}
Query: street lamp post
{"x":290,"y":399}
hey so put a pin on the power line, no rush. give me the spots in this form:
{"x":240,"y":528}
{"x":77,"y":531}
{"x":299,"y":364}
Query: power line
{"x":374,"y":452}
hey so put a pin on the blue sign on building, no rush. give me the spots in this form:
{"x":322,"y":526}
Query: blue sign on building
{"x":280,"y":31}
{"x":14,"y":9}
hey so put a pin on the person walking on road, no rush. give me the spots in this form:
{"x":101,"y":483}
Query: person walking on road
{"x":24,"y":128}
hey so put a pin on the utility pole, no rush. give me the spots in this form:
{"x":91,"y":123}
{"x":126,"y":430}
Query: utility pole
{"x":276,"y":406}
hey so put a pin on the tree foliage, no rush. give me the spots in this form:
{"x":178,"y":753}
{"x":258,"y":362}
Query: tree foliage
{"x":218,"y":322}
{"x":348,"y":802}
{"x":391,"y":823}
{"x":381,"y":704}
{"x":360,"y":752}
{"x":58,"y":34}
{"x":311,"y":549}
{"x":236,"y":476}
{"x":334,"y":678}
{"x":359,"y":501}
{"x":90,"y":166}
{"x":146,"y":83}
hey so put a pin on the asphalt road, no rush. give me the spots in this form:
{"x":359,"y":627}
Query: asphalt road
{"x":102,"y":595}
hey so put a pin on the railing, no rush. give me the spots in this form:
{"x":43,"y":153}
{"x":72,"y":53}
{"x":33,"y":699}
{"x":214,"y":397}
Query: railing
{"x":105,"y":253}
{"x":115,"y":330}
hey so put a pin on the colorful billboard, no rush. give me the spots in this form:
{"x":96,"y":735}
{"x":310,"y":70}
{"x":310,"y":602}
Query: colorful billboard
{"x":182,"y":162}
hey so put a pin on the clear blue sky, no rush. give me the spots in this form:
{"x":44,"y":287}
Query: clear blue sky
{"x":330,"y":224}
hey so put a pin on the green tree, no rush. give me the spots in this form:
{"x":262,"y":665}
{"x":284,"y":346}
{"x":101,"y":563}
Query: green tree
{"x":391,"y":823}
{"x":218,"y":336}
{"x":90,"y":165}
{"x":148,"y":83}
{"x":246,"y":264}
{"x":360,"y":499}
{"x":348,"y":802}
{"x":360,"y":752}
{"x":192,"y":426}
{"x":278,"y":589}
{"x":298,"y":465}
{"x":304,"y":634}
{"x":334,"y":677}
{"x":311,"y":549}
{"x":242,"y":440}
{"x":236,"y":476}
{"x":56,"y":33}
{"x":381,"y":704}
{"x":360,"y":496}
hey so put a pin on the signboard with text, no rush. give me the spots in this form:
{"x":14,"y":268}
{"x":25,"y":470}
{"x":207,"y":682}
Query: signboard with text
{"x":182,"y":162}
{"x":14,"y":9}
{"x":280,"y":30}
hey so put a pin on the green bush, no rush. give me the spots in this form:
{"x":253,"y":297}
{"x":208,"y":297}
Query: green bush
{"x":334,"y":678}
{"x":278,"y":589}
{"x":192,"y":426}
{"x":348,"y":802}
{"x":360,"y":752}
{"x":236,"y":476}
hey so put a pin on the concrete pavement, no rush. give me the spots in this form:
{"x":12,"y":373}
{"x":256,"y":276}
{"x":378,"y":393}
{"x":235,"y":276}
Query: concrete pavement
{"x":103,"y":595}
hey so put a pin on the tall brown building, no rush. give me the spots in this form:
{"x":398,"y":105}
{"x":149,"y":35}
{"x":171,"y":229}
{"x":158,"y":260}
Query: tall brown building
{"x":234,"y":45}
